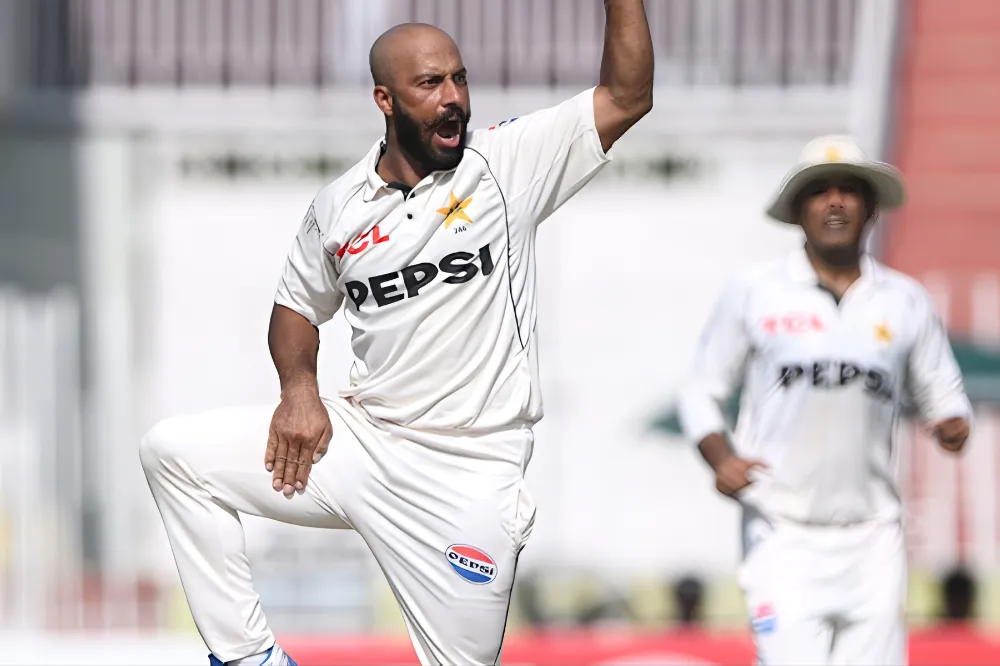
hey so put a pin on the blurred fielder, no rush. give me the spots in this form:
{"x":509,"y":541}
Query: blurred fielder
{"x":429,"y":242}
{"x":825,"y":343}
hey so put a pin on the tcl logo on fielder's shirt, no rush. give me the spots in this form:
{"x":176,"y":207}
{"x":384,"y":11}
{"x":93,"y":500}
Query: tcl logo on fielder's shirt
{"x":834,"y":374}
{"x":792,"y":323}
{"x":393,"y":287}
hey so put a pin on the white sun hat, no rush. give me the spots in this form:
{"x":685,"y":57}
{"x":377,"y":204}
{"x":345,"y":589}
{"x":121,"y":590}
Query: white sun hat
{"x":837,"y":154}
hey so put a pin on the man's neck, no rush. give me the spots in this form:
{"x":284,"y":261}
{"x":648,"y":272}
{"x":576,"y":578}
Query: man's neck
{"x":396,"y":166}
{"x":836,"y":269}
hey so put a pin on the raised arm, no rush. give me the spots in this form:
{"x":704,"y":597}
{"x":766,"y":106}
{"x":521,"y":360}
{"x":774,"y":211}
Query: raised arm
{"x":625,"y":92}
{"x":543,"y":159}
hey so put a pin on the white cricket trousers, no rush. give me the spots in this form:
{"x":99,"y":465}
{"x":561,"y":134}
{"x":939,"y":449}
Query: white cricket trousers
{"x":445,"y":527}
{"x":826,"y":595}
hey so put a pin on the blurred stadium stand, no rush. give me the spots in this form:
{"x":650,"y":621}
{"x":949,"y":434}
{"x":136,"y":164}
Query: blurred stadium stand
{"x":323,"y":43}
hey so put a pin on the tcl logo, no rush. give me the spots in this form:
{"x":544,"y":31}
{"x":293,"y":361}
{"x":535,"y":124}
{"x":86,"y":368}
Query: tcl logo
{"x":362,"y":241}
{"x":793,"y":323}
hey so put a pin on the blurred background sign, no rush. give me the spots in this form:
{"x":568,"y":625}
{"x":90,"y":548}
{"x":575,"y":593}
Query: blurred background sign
{"x":980,"y":366}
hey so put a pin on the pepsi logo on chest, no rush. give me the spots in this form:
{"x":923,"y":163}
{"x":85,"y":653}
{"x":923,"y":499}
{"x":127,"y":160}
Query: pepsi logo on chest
{"x":472,"y":564}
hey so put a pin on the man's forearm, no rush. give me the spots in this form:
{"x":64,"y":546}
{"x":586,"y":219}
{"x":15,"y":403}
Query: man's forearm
{"x":294,"y":345}
{"x":627,"y":63}
{"x":715,"y":448}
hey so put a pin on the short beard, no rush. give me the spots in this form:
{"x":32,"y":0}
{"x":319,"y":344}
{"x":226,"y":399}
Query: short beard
{"x":415,"y":138}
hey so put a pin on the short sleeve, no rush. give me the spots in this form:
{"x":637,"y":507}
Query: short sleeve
{"x":719,"y":363}
{"x":309,"y":278}
{"x":542,"y":159}
{"x":934,"y":378}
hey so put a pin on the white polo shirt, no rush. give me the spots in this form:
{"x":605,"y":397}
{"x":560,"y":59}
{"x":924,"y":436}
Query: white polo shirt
{"x":439,"y":283}
{"x":822,"y":384}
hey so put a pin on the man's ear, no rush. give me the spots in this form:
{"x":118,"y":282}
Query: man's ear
{"x":383,"y":99}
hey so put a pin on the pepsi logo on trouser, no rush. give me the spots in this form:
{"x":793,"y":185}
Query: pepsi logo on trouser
{"x":472,"y":564}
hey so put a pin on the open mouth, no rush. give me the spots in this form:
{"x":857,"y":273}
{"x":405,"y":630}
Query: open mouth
{"x":835,"y":222}
{"x":448,"y":134}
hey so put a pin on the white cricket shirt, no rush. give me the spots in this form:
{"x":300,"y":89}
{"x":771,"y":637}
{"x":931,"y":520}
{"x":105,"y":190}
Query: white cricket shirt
{"x":822,"y":384}
{"x":439,"y":283}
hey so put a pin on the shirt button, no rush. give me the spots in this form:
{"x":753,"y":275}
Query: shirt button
{"x":409,"y":216}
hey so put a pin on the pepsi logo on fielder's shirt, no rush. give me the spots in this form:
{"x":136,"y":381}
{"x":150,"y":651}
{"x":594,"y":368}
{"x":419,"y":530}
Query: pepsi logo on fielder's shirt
{"x":833,"y":374}
{"x":472,"y":564}
{"x":764,"y":619}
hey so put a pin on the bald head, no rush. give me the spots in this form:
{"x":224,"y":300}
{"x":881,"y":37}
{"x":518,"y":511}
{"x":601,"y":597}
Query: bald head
{"x":422,"y":90}
{"x":400,"y":49}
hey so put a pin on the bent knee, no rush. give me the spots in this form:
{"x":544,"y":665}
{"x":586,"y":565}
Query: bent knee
{"x":206,"y":441}
{"x":166,"y":441}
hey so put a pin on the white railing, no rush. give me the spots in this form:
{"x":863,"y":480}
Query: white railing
{"x":322,"y":43}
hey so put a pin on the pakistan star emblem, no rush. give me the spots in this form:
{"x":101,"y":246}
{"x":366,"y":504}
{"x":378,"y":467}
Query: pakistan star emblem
{"x":455,"y":210}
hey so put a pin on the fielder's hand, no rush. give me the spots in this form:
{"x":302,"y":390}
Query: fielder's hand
{"x":733,"y":474}
{"x":952,"y":433}
{"x":299,"y":436}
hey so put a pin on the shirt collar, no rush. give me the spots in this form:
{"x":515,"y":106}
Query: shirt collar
{"x":374,"y":185}
{"x":374,"y":182}
{"x":801,"y":270}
